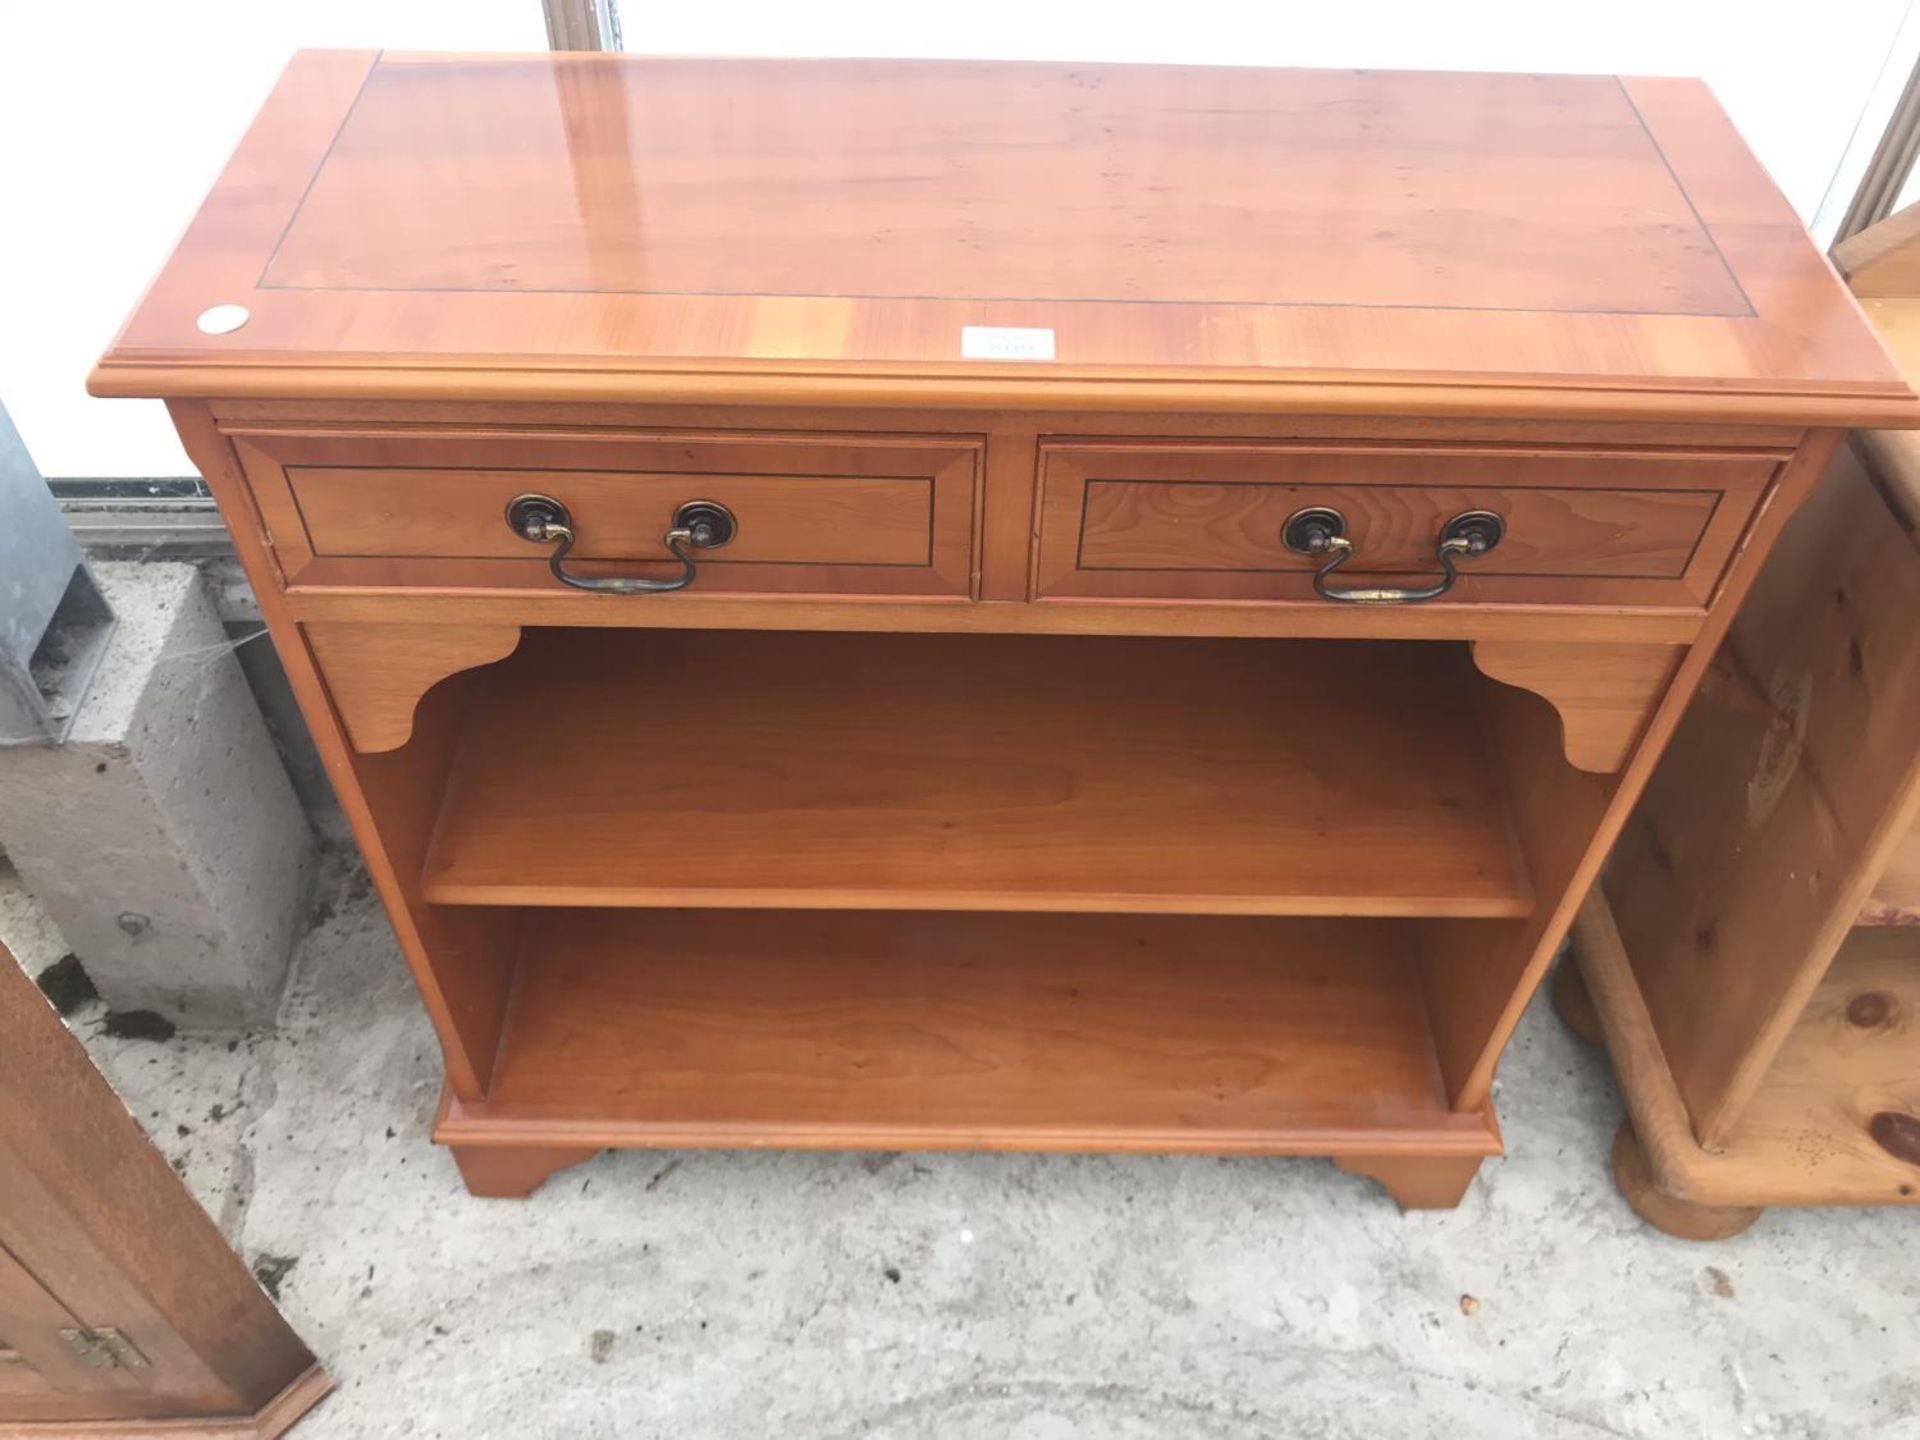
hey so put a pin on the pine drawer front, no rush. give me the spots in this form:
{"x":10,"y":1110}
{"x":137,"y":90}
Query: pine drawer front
{"x":811,"y":514}
{"x":1205,"y":522}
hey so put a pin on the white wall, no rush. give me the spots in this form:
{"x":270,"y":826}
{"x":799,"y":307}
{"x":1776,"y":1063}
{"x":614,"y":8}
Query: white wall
{"x":115,"y":117}
{"x":110,"y":137}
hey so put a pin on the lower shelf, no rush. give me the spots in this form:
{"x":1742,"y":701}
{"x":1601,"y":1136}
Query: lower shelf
{"x":901,"y":1030}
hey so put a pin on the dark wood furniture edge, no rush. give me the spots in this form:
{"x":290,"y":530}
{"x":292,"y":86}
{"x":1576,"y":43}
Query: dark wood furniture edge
{"x":270,"y":1421}
{"x":208,"y":1330}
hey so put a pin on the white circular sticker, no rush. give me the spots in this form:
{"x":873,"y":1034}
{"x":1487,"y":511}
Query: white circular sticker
{"x":223,"y":319}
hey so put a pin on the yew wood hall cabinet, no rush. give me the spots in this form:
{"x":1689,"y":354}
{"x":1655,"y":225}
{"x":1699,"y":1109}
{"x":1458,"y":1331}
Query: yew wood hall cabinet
{"x":891,"y":604}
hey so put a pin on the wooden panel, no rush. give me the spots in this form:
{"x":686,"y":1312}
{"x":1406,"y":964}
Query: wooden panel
{"x":459,"y":513}
{"x":976,"y":773}
{"x":836,"y":513}
{"x":376,"y":674}
{"x":18,"y":1378}
{"x":35,"y":1360}
{"x":1205,"y":521}
{"x":957,"y":416}
{"x":1794,"y":772}
{"x":1289,"y":620}
{"x":479,"y":175}
{"x":1478,"y":973}
{"x":969,"y":1031}
{"x":1630,"y":534}
{"x":1884,"y":258}
{"x":1007,"y":518}
{"x":1896,"y":453}
{"x":1605,"y":694}
{"x":467,"y":959}
{"x":96,"y":1230}
{"x":571,"y":227}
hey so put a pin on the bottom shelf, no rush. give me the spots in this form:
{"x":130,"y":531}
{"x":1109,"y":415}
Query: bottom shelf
{"x":901,"y":1030}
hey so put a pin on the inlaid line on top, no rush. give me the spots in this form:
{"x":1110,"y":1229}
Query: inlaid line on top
{"x":1699,"y":222}
{"x":1748,"y":313}
{"x":1747,"y":309}
{"x":306,"y":190}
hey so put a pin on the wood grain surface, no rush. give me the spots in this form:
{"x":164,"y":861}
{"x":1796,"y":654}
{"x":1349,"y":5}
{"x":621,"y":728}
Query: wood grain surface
{"x":376,"y":674}
{"x":97,"y":1231}
{"x":1189,"y":520}
{"x":1080,"y":183}
{"x":1837,"y":1117}
{"x":916,"y":1030}
{"x":688,"y":768}
{"x":814,"y":513}
{"x":568,"y":226}
{"x":1605,"y":694}
{"x":1796,"y":768}
{"x":1636,"y":534}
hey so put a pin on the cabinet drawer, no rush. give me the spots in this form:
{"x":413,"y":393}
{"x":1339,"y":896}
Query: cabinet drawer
{"x":812,"y":514}
{"x":1205,"y":521}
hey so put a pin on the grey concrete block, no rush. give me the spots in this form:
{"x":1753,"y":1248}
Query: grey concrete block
{"x":163,"y":836}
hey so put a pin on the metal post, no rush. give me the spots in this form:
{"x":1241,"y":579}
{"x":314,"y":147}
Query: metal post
{"x":1893,"y":160}
{"x":583,"y":24}
{"x":54,"y":623}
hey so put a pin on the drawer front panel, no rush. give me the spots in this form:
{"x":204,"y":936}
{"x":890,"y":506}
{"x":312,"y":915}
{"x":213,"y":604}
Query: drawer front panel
{"x":1204,"y":522}
{"x":1634,"y":534}
{"x":785,"y":520}
{"x":848,"y":515}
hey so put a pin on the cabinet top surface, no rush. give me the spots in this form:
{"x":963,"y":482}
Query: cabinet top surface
{"x":603,"y":226}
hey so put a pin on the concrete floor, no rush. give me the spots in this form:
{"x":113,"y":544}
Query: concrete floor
{"x":707,"y":1296}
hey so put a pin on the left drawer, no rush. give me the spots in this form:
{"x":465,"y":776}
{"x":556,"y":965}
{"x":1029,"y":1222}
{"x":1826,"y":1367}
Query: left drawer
{"x":809,"y":513}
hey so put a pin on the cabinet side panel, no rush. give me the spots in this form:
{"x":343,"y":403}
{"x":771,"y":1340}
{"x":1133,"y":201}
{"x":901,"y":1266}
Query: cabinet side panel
{"x":1795,"y":772}
{"x":1480,"y":976}
{"x":469,"y":953}
{"x":468,"y":1026}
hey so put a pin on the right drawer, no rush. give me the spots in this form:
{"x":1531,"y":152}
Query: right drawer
{"x":1208,"y":521}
